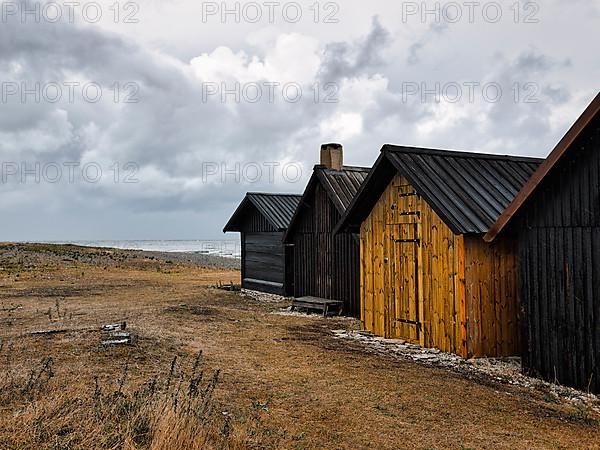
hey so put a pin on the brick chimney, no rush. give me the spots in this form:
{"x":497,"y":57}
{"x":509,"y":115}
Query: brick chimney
{"x":332,"y":156}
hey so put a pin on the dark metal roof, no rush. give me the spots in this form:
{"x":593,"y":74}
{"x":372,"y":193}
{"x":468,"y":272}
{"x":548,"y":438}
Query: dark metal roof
{"x":468,"y":191}
{"x":278,"y":209}
{"x":341,"y":187}
{"x":555,"y":156}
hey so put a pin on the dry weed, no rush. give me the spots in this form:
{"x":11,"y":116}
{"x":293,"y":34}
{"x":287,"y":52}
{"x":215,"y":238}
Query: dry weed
{"x":168,"y":411}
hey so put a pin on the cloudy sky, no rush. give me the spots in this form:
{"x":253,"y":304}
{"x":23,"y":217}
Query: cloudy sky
{"x":151,"y":119}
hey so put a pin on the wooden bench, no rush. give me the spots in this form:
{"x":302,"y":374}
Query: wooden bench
{"x":319,"y":304}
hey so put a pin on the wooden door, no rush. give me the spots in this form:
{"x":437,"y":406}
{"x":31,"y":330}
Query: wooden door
{"x":404,"y":230}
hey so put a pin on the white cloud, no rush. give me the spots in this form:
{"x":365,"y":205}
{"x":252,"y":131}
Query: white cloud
{"x":341,"y":127}
{"x":292,"y":58}
{"x":362,"y":93}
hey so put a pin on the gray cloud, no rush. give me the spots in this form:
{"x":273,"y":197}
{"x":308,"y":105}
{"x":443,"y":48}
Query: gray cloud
{"x":172,"y":131}
{"x":348,"y":59}
{"x":434,"y":31}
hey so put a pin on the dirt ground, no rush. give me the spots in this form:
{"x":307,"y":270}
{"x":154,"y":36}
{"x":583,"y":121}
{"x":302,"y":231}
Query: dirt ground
{"x":285,"y":381}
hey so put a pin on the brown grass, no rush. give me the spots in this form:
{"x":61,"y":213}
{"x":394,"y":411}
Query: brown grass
{"x":171,"y":410}
{"x":283,"y":382}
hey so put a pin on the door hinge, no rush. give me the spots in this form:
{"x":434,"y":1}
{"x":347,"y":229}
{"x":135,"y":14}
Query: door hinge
{"x":403,"y":241}
{"x":411,"y":213}
{"x":410,"y":322}
{"x":408,"y":194}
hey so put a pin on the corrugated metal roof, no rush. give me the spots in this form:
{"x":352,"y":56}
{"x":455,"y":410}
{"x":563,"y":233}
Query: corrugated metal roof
{"x":342,"y":185}
{"x":278,"y":209}
{"x":468,"y":191}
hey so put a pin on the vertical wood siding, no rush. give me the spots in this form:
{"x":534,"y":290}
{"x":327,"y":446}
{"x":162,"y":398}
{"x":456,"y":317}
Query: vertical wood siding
{"x":255,"y":222}
{"x":325,"y":265}
{"x":492,"y":306}
{"x":421,"y":282}
{"x":559,"y":246}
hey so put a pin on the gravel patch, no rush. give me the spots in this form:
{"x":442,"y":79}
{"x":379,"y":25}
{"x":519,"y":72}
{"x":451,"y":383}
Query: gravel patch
{"x":304,"y":313}
{"x":263,"y":296}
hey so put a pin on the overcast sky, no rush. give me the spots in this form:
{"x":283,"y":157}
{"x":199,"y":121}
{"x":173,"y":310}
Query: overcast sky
{"x":177,"y":150}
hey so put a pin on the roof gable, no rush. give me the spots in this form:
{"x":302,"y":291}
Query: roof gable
{"x":277,"y":209}
{"x":341,"y":187}
{"x":544,"y":169}
{"x":467,"y":190}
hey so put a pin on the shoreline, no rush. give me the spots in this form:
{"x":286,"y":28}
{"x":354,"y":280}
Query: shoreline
{"x":9,"y":251}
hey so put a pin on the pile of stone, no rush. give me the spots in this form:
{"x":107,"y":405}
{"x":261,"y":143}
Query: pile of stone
{"x":116,"y":335}
{"x":263,"y":296}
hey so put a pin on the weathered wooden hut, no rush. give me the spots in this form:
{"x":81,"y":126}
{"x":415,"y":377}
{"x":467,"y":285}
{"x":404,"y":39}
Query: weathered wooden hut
{"x":326,"y":266}
{"x":556,"y":219}
{"x":427,"y":276}
{"x":262,"y":220}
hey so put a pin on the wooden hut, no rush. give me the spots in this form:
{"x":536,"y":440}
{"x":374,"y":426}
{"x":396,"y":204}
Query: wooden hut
{"x":556,"y":219}
{"x":326,"y":266}
{"x":427,"y":276}
{"x":262,"y":220}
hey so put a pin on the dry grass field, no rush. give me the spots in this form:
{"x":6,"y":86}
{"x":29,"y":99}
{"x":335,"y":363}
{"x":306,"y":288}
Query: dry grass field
{"x":212,"y":369}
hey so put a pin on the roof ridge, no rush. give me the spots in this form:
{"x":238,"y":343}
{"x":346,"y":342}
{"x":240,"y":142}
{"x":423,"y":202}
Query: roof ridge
{"x":359,"y":168}
{"x":344,"y":169}
{"x":457,"y":153}
{"x":276,"y":208}
{"x":274,"y":194}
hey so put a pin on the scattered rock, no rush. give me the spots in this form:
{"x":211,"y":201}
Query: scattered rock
{"x":230,"y":287}
{"x":116,"y":335}
{"x":295,"y":313}
{"x":115,"y":342}
{"x":397,"y":341}
{"x":315,"y":314}
{"x":502,"y":370}
{"x":424,"y":357}
{"x":263,"y":296}
{"x":48,"y":332}
{"x":114,"y":326}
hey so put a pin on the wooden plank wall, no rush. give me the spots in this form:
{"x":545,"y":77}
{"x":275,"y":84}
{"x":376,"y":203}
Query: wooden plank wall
{"x":464,"y":291}
{"x":255,"y":222}
{"x":559,"y":245}
{"x":262,"y":253}
{"x":325,"y":265}
{"x":437,"y":281}
{"x":492,"y":308}
{"x":264,"y":256}
{"x":561,"y":285}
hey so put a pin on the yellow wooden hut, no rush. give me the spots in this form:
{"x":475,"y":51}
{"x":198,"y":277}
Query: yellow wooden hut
{"x":426,"y":274}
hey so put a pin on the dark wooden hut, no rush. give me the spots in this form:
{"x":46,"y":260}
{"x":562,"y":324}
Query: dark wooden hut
{"x":262,"y":220}
{"x":326,"y":266}
{"x":556,"y":219}
{"x":427,"y":276}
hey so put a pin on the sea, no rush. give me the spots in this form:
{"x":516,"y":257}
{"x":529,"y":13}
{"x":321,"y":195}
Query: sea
{"x":225,"y":248}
